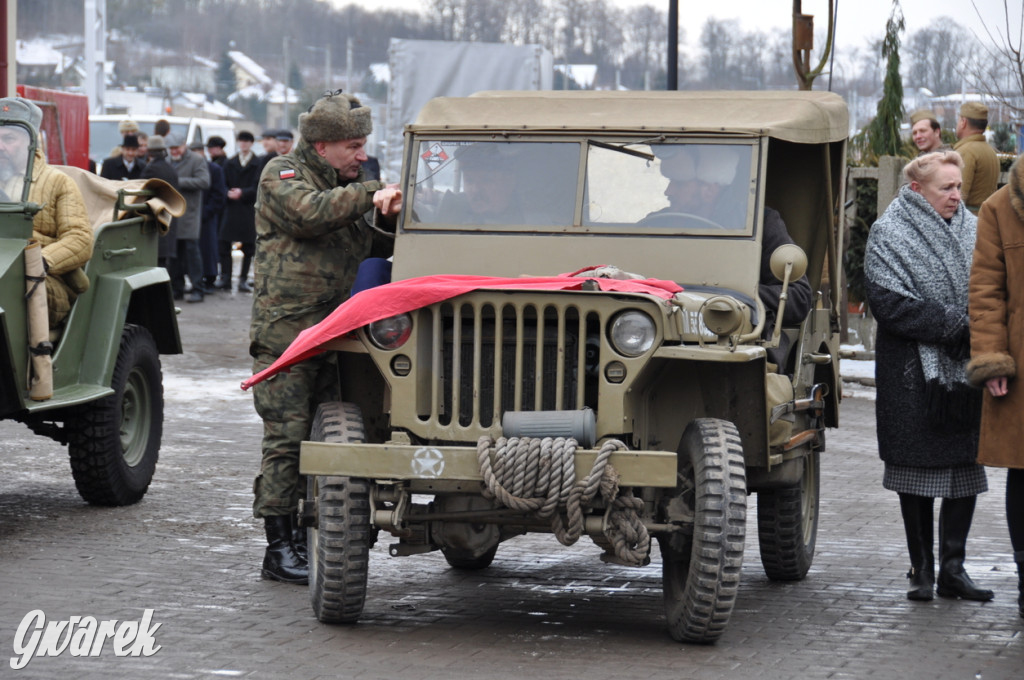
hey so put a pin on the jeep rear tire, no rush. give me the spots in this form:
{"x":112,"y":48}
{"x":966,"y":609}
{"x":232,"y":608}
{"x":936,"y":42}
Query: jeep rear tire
{"x":339,"y":545}
{"x":787,"y":525}
{"x":701,"y":574}
{"x":114,"y":442}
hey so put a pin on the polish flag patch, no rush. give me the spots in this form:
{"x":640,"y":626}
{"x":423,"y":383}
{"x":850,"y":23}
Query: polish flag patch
{"x":286,"y":174}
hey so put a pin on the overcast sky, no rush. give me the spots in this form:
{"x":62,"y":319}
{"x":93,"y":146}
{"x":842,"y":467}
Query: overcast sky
{"x":859,"y":21}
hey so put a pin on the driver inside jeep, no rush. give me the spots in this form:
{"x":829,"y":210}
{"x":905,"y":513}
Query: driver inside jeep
{"x":702,"y":184}
{"x":703,"y":188}
{"x":61,"y":226}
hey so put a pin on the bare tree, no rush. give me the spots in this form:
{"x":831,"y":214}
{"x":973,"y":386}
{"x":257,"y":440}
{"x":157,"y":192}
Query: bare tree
{"x":645,"y":46}
{"x":999,"y":70}
{"x":938,"y":56}
{"x":717,"y":40}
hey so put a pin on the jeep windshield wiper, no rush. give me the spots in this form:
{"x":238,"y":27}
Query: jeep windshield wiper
{"x":621,"y":149}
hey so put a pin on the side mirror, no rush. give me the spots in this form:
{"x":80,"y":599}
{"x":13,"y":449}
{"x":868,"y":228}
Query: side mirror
{"x":788,"y":263}
{"x":788,"y":254}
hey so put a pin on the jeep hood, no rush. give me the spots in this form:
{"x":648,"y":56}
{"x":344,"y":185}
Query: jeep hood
{"x":397,"y":297}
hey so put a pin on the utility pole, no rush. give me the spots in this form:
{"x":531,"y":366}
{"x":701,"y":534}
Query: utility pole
{"x":287,"y":70}
{"x":348,"y":65}
{"x":95,"y":52}
{"x":673,"y":45}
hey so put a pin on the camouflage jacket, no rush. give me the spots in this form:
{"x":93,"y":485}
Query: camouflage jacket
{"x":312,"y":232}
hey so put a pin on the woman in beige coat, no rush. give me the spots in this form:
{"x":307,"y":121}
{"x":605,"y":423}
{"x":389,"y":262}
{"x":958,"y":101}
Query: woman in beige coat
{"x":997,"y":346}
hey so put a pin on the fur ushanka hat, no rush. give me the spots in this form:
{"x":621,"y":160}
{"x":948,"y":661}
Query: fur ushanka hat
{"x":334,"y":117}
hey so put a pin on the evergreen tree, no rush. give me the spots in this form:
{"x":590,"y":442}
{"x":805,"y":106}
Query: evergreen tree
{"x":884,"y":131}
{"x":225,"y":82}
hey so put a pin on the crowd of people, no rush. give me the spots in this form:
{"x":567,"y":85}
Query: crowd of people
{"x":943,"y":271}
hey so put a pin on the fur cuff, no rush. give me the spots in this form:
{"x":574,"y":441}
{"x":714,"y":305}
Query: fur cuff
{"x":990,"y":365}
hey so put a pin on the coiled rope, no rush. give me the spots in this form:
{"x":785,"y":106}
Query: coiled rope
{"x":539,"y":476}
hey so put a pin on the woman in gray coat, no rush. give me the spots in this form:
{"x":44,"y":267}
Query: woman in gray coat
{"x":916,"y":268}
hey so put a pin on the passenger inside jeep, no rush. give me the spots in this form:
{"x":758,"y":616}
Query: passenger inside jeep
{"x":61,"y":226}
{"x":489,"y":188}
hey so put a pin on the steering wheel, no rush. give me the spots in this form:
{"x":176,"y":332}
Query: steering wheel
{"x":664,"y":219}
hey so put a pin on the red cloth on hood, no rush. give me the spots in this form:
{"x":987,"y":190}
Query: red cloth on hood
{"x":394,"y":298}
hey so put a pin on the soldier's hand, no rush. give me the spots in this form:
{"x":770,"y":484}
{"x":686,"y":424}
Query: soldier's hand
{"x":388,"y":200}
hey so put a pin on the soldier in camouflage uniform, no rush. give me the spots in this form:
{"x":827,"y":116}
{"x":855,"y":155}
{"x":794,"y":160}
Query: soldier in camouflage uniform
{"x":312,"y":231}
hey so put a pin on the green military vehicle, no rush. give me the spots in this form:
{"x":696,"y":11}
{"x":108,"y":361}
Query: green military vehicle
{"x":622,"y":408}
{"x":95,"y":383}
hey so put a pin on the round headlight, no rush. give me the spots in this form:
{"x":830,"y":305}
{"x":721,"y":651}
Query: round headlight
{"x":632,"y":333}
{"x":392,"y":332}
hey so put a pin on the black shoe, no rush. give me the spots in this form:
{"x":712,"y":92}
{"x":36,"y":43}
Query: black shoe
{"x":194,"y":296}
{"x":960,"y":585}
{"x":280,"y":563}
{"x":922,"y":584}
{"x":222,"y":283}
{"x":244,"y":287}
{"x":179,"y":296}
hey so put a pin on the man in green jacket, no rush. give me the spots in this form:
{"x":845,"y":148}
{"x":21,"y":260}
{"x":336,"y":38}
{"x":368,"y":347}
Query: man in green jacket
{"x":981,"y":167}
{"x":312,"y":231}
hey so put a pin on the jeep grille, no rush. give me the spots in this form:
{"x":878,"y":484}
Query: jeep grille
{"x":527,"y":357}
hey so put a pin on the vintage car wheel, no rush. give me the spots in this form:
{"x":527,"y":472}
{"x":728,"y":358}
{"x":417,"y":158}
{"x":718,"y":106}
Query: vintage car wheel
{"x":701,"y":574}
{"x":787,"y":525}
{"x":339,"y":546}
{"x":114,"y":443}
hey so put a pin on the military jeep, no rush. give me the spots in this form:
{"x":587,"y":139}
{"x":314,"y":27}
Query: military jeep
{"x":103,"y":394}
{"x":613,"y":412}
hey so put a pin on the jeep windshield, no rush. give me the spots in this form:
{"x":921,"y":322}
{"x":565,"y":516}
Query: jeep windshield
{"x":615,"y":185}
{"x":15,"y":152}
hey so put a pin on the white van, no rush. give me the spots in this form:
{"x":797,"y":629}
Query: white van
{"x":103,"y":134}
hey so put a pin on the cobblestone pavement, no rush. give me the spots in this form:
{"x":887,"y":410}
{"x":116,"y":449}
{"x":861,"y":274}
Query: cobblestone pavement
{"x":191,"y":552}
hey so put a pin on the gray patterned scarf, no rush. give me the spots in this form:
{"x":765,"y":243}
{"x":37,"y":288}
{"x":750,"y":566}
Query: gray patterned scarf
{"x":918,"y":254}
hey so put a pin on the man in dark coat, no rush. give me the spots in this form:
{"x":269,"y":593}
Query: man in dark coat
{"x":193,"y":180}
{"x":159,"y":167}
{"x":215,"y":149}
{"x":242,"y":176}
{"x":214,"y":199}
{"x":127,"y":165}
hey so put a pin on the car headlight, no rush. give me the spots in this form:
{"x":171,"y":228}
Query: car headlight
{"x":632,"y":333}
{"x":392,"y":332}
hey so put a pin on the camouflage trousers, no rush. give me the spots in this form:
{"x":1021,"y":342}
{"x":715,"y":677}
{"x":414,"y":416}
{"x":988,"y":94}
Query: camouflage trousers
{"x":287,"y":403}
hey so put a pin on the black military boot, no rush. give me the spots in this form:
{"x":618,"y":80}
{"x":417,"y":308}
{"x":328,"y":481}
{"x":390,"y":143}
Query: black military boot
{"x":299,"y":541}
{"x":281,"y":563}
{"x":918,"y":522}
{"x":955,"y":518}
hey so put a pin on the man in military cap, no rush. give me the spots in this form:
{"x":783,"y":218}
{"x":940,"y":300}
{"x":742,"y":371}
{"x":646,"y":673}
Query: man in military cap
{"x":312,"y":231}
{"x":981,"y":167}
{"x":61,"y":226}
{"x":926,"y":132}
{"x":269,"y":142}
{"x":285,"y":140}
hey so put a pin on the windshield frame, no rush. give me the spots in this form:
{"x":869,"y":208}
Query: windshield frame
{"x":588,"y":143}
{"x":33,"y":145}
